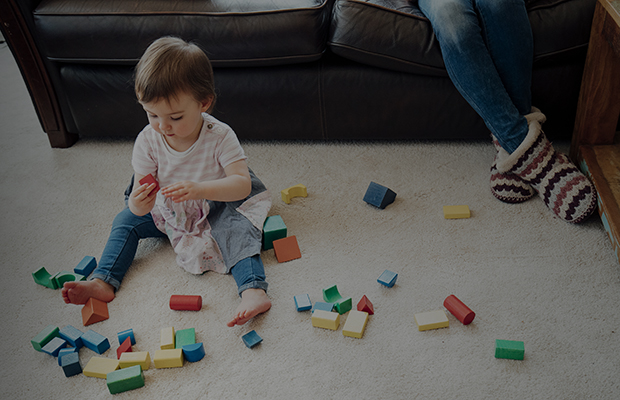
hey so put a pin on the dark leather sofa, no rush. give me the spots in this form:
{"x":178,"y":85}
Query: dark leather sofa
{"x":284,"y":69}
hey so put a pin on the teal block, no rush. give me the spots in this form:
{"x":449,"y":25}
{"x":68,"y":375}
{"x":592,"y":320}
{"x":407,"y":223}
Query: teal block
{"x":273,"y":229}
{"x":321,"y":305}
{"x":387,"y":278}
{"x":379,"y":196}
{"x":72,"y":335}
{"x":86,"y":266}
{"x":194,"y":352}
{"x":65,"y":351}
{"x":302,"y":302}
{"x":53,"y":346}
{"x":126,"y":334}
{"x":95,"y":341}
{"x":510,"y":349}
{"x":70,"y":364}
{"x":184,"y":337}
{"x":251,"y":339}
{"x":44,"y":337}
{"x":125,"y":379}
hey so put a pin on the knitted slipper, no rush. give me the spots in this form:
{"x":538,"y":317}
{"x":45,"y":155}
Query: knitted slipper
{"x":506,"y":187}
{"x":564,"y":189}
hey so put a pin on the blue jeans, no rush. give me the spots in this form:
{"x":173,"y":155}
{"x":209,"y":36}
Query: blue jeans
{"x":487,"y":48}
{"x":120,"y":250}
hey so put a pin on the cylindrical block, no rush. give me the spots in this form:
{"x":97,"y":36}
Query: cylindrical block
{"x":185,"y":303}
{"x":459,"y":310}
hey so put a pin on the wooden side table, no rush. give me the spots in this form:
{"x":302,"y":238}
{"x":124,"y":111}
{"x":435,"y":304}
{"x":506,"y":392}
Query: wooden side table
{"x":596,"y":144}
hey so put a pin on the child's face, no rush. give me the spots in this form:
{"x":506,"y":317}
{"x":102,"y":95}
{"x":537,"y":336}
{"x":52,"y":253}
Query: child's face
{"x":178,"y":120}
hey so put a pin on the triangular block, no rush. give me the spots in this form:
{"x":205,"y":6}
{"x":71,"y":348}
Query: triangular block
{"x":365,"y":305}
{"x":94,"y":311}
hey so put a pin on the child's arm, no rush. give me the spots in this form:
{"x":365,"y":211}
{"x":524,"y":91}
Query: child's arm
{"x":142,"y":197}
{"x":237,"y":185}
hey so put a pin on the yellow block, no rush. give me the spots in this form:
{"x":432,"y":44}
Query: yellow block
{"x":294,"y":191}
{"x":170,"y":358}
{"x":99,"y":367}
{"x":355,"y":324}
{"x":431,"y":320}
{"x":325,"y":319}
{"x":129,"y":359}
{"x":167,"y":338}
{"x":453,"y":212}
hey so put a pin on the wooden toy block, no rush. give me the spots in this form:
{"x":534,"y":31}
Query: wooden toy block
{"x":169,"y":358}
{"x":72,"y":335}
{"x":95,"y":341}
{"x":125,"y":379}
{"x":100,"y":367}
{"x":355,"y":324}
{"x":65,"y":276}
{"x":459,"y":309}
{"x":184,"y":337}
{"x":431,"y":320}
{"x":325,"y":319}
{"x":286,"y":249}
{"x":379,"y":196}
{"x":194,"y":352}
{"x":321,"y":305}
{"x":167,"y":338}
{"x":43,"y":338}
{"x":302,"y":302}
{"x":273,"y":229}
{"x":251,"y":339}
{"x":86,"y":266}
{"x":294,"y":191}
{"x":94,"y":311}
{"x":125,"y":347}
{"x":332,"y":295}
{"x":185,"y":303}
{"x":344,"y":305}
{"x":509,"y":349}
{"x":387,"y":278}
{"x":126,"y":334}
{"x":70,"y":364}
{"x":42,"y":277}
{"x":365,"y":305}
{"x":148,"y":180}
{"x":141,"y":358}
{"x":53,"y":346}
{"x":456,"y":212}
{"x":65,"y":351}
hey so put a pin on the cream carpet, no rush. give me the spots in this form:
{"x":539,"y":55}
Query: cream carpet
{"x":527,"y":275}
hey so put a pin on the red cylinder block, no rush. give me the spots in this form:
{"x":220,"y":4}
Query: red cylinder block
{"x":185,"y":303}
{"x":459,"y":310}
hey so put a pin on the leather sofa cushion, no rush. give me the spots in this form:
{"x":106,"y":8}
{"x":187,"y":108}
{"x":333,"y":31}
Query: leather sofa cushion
{"x":394,"y":34}
{"x":233,"y":33}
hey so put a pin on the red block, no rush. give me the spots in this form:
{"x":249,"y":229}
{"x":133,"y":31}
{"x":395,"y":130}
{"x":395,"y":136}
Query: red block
{"x":94,"y":311}
{"x":459,"y":310}
{"x":286,"y":249}
{"x":185,"y":303}
{"x":148,"y":180}
{"x":124,"y":348}
{"x":365,"y":305}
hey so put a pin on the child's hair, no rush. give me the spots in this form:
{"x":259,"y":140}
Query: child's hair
{"x":170,"y":66}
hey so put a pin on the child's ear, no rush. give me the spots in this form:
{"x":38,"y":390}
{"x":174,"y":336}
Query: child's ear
{"x":206,"y":104}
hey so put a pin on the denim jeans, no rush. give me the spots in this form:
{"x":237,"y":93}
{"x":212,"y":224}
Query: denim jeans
{"x":487,"y":48}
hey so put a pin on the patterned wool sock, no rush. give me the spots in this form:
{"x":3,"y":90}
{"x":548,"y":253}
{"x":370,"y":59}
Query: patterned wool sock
{"x":507,"y":187}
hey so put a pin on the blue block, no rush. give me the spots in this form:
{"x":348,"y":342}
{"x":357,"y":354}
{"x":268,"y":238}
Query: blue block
{"x":72,"y":335}
{"x":321,"y":305}
{"x":388,"y":278}
{"x":379,"y":196}
{"x":251,"y":339}
{"x":86,"y":266}
{"x":65,"y":351}
{"x":70,"y":364}
{"x":53,"y":346}
{"x":303,"y":303}
{"x":194,"y":352}
{"x":126,"y":334}
{"x":95,"y":341}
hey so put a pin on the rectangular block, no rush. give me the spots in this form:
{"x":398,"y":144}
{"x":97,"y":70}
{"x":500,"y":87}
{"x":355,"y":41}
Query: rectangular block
{"x":286,"y":249}
{"x":321,"y":305}
{"x":302,"y":302}
{"x":72,"y":335}
{"x":355,"y":324}
{"x":387,"y":278}
{"x":325,"y":319}
{"x":70,"y":364}
{"x":129,"y":359}
{"x":86,"y":266}
{"x":54,"y":346}
{"x":184,"y":337}
{"x":167,"y":338}
{"x":169,"y":358}
{"x":125,"y":379}
{"x":43,"y":338}
{"x":126,"y":334}
{"x":510,"y":349}
{"x":99,"y":367}
{"x":95,"y":341}
{"x":431,"y":320}
{"x":455,"y":212}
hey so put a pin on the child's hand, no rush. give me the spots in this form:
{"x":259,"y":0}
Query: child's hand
{"x":142,"y":199}
{"x":183,"y":191}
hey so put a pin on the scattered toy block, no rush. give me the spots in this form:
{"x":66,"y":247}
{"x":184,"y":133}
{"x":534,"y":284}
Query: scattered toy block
{"x":355,"y":324}
{"x":126,"y":334}
{"x":44,"y":278}
{"x":95,"y":341}
{"x":125,"y":347}
{"x":65,"y":276}
{"x":180,"y":302}
{"x":194,"y":352}
{"x":100,"y":367}
{"x":53,"y":346}
{"x":325,"y":319}
{"x":344,"y":305}
{"x":169,"y":358}
{"x":72,"y":335}
{"x":167,"y":338}
{"x":509,"y":349}
{"x":294,"y":191}
{"x":251,"y":339}
{"x":94,"y":311}
{"x":273,"y":229}
{"x":148,"y":180}
{"x":459,"y":309}
{"x":70,"y":364}
{"x":43,"y":338}
{"x":387,"y":278}
{"x":125,"y":379}
{"x":129,"y":359}
{"x":431,"y":320}
{"x":302,"y":302}
{"x":332,"y":295}
{"x":321,"y":305}
{"x":379,"y":196}
{"x":365,"y":305}
{"x":65,"y":351}
{"x":184,"y":337}
{"x":456,"y":212}
{"x":86,"y":266}
{"x":286,"y":249}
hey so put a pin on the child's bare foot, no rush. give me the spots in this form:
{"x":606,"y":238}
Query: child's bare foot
{"x":79,"y":292}
{"x":253,"y":302}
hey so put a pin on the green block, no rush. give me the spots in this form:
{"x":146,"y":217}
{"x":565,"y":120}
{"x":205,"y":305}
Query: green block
{"x":65,"y":276}
{"x":44,"y":337}
{"x":273,"y":229}
{"x":344,"y":305}
{"x":332,"y":295}
{"x":184,"y":337}
{"x":42,"y":277}
{"x":510,"y":349}
{"x":125,"y":379}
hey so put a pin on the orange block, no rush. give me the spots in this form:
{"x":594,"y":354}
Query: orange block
{"x":286,"y":249}
{"x":94,"y":311}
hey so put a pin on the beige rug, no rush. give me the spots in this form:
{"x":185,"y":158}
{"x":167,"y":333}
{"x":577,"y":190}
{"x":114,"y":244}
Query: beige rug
{"x":527,"y":275}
